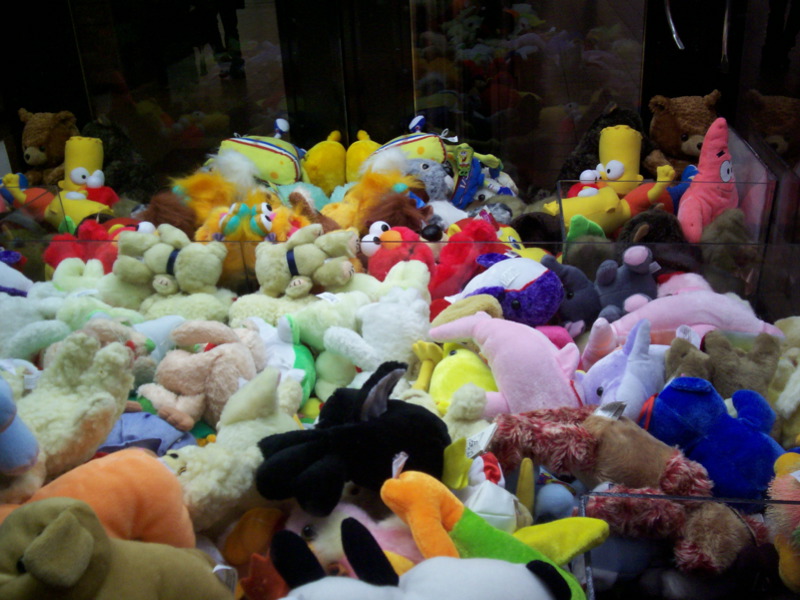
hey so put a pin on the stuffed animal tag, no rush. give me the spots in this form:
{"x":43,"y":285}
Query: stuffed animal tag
{"x":398,"y":462}
{"x":226,"y":575}
{"x":478,"y":443}
{"x":612,"y":410}
{"x":329,"y":296}
{"x":796,"y":475}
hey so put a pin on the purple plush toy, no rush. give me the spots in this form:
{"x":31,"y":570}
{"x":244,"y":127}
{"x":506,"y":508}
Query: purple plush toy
{"x":528,"y":292}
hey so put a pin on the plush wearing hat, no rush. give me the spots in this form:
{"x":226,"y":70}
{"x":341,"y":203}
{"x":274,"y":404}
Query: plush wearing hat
{"x":217,"y":478}
{"x":678,"y":127}
{"x":193,"y":384}
{"x":529,"y":370}
{"x":44,"y":138}
{"x":527,"y":291}
{"x":76,"y":401}
{"x":307,"y":259}
{"x":599,"y":448}
{"x":57,"y":548}
{"x":727,"y":367}
{"x":738,"y":453}
{"x":358,"y":434}
{"x":133,"y":494}
{"x":713,"y":190}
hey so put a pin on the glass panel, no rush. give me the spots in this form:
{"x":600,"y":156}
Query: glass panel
{"x":176,"y":78}
{"x":525,"y":82}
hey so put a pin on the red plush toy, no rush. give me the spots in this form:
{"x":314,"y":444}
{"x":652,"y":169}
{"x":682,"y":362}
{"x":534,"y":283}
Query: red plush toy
{"x":457,"y":260}
{"x":91,"y":240}
{"x":386,"y":246}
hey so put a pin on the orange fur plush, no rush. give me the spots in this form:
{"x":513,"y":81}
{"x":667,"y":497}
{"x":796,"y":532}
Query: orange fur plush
{"x":363,"y":197}
{"x":203,"y":191}
{"x":135,"y":496}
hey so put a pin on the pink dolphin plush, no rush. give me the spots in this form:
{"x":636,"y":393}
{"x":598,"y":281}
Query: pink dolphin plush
{"x":713,"y":189}
{"x":700,"y":310}
{"x":530,"y":371}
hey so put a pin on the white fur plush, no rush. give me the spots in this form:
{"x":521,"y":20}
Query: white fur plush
{"x":217,"y":478}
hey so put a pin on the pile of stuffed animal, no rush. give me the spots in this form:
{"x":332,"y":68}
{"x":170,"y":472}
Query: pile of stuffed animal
{"x":376,"y":371}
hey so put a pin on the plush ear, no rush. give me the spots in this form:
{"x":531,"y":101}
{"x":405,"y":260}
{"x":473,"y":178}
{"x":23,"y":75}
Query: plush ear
{"x":658,"y":104}
{"x":294,"y":560}
{"x":378,"y":387}
{"x":365,"y":555}
{"x":712,"y":99}
{"x":61,"y":553}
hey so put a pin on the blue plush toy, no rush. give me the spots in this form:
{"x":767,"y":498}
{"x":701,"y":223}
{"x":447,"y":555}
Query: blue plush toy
{"x":738,"y":453}
{"x":19,"y":449}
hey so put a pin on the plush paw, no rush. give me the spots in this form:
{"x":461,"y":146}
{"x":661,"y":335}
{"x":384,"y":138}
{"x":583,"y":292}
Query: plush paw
{"x":177,"y":418}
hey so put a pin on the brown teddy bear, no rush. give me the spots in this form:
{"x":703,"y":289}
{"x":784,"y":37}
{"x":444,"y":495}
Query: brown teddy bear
{"x":777,"y":120}
{"x":727,"y":368}
{"x":43,"y":142}
{"x":678,"y":127}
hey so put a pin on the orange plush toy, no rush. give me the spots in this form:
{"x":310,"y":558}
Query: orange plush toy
{"x":134,"y":494}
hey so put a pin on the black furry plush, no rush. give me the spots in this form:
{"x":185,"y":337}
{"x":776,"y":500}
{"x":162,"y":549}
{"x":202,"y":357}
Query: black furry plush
{"x":539,"y":229}
{"x":586,"y":154}
{"x":357,"y":436}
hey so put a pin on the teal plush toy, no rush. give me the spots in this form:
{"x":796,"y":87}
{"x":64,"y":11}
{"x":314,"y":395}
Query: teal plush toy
{"x":738,"y":453}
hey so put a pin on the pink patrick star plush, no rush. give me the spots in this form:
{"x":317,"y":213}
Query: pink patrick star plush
{"x":530,"y":371}
{"x":713,"y":189}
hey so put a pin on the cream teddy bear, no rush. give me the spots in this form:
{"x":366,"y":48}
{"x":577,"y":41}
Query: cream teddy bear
{"x":307,"y":259}
{"x":195,"y":380}
{"x":217,"y":478}
{"x":72,"y":409}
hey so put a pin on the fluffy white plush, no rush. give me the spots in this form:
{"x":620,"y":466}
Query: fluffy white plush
{"x":464,"y":416}
{"x":217,"y":478}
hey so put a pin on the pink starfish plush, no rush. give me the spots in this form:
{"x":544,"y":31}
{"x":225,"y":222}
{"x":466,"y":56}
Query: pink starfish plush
{"x":713,"y":189}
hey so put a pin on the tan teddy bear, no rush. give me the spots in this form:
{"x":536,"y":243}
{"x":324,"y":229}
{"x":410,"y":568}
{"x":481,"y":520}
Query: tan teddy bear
{"x":195,"y":380}
{"x":307,"y":259}
{"x":678,"y":127}
{"x":43,"y":141}
{"x":777,"y":120}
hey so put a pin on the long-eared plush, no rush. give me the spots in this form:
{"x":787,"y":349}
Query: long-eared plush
{"x":358,"y":434}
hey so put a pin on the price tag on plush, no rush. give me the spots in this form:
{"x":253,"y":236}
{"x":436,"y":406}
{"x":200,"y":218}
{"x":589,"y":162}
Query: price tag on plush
{"x":478,"y":443}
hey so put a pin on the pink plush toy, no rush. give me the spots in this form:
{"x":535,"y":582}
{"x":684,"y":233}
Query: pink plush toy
{"x":700,"y":310}
{"x":530,"y":371}
{"x":713,"y":189}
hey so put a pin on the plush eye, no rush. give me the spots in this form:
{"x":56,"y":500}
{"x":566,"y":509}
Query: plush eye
{"x":570,"y":295}
{"x":425,"y":166}
{"x":172,"y":454}
{"x":452,"y":353}
{"x":589,"y":175}
{"x":21,"y":567}
{"x":725,"y":171}
{"x":234,"y":208}
{"x":265,"y":207}
{"x":79,"y":175}
{"x":614,"y":170}
{"x":481,"y":196}
{"x":41,"y":148}
{"x":684,"y":137}
{"x":370,"y":244}
{"x":308,"y":533}
{"x":515,"y":304}
{"x":599,"y":391}
{"x":265,"y":223}
{"x":378,"y":227}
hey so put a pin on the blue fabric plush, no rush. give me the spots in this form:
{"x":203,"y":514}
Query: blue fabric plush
{"x":738,"y":453}
{"x":19,"y":449}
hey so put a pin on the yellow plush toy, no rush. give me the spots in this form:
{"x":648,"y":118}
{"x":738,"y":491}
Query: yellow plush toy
{"x":620,"y":149}
{"x":605,"y":208}
{"x":357,"y":153}
{"x":278,"y":161}
{"x":458,"y":367}
{"x":325,"y":163}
